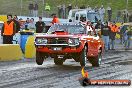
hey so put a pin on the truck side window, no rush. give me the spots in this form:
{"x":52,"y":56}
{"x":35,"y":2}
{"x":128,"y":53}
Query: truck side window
{"x":77,"y":16}
{"x":83,"y":18}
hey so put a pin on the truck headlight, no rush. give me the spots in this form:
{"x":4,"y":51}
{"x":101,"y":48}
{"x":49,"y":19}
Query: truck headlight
{"x":41,"y":41}
{"x":73,"y":41}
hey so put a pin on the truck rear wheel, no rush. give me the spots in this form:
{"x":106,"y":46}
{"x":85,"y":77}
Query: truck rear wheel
{"x":83,"y":57}
{"x":58,"y":61}
{"x":39,"y":58}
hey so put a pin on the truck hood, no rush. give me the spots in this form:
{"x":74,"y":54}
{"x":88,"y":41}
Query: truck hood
{"x":55,"y":35}
{"x":81,"y":36}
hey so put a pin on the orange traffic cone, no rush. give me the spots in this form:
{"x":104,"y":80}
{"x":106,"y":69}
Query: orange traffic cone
{"x":84,"y":80}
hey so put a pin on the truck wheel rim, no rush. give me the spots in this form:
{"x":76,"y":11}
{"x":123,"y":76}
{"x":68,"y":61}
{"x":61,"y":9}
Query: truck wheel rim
{"x":100,"y":58}
{"x":85,"y":54}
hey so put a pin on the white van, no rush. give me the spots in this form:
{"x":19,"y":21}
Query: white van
{"x":86,"y":15}
{"x":71,"y":15}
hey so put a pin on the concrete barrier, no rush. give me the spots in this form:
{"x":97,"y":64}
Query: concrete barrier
{"x":9,"y":52}
{"x":16,"y":38}
{"x":30,"y":50}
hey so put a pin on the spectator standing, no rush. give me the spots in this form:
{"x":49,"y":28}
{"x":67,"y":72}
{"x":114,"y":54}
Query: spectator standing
{"x":31,"y":25}
{"x":90,"y":28}
{"x":118,"y":16}
{"x":26,"y":23}
{"x":69,"y":7}
{"x":128,"y":37}
{"x":8,"y":30}
{"x":35,"y":10}
{"x":55,"y":19}
{"x":47,"y":9}
{"x":31,"y":7}
{"x":98,"y":28}
{"x":99,"y":25}
{"x":109,"y":12}
{"x":114,"y":30}
{"x":59,"y":11}
{"x":40,"y":26}
{"x":125,"y":16}
{"x":96,"y":9}
{"x":17,"y":24}
{"x":22,"y":24}
{"x":102,"y":13}
{"x":123,"y":28}
{"x":105,"y":32}
{"x":64,"y":11}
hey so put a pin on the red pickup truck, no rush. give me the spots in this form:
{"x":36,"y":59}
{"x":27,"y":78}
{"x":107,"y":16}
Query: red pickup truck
{"x":69,"y":41}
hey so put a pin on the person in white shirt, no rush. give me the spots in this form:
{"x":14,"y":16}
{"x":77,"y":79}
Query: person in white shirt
{"x":89,"y":28}
{"x":101,"y":13}
{"x":31,"y":25}
{"x":109,"y":12}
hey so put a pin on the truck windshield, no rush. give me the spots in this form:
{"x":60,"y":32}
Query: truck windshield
{"x":71,"y":29}
{"x":93,"y":17}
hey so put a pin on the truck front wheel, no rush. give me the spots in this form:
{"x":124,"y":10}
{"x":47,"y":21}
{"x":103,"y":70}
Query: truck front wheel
{"x":83,"y":57}
{"x":39,"y":58}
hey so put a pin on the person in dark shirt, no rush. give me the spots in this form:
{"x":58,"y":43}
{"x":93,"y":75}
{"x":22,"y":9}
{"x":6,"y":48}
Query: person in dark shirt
{"x":40,"y":26}
{"x":98,"y":27}
{"x":128,"y":37}
{"x":31,"y":7}
{"x":69,"y":7}
{"x":17,"y":24}
{"x":26,"y":24}
{"x":105,"y":30}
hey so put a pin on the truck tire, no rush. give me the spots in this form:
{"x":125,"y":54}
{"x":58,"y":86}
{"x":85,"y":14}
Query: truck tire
{"x":58,"y":61}
{"x":39,"y":58}
{"x":83,"y":56}
{"x":96,"y":61}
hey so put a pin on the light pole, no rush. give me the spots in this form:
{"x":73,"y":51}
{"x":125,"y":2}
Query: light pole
{"x":127,"y":4}
{"x":127,"y":10}
{"x":43,"y":2}
{"x":76,"y":2}
{"x":21,"y":7}
{"x":42,"y":8}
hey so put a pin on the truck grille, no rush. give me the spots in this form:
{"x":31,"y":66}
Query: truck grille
{"x":57,"y":40}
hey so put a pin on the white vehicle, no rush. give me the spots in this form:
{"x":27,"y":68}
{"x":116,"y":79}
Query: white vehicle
{"x":77,"y":15}
{"x":72,"y":12}
{"x":86,"y":15}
